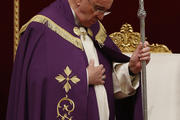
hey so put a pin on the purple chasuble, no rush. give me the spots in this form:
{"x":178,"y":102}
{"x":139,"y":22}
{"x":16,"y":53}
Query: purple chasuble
{"x":49,"y":80}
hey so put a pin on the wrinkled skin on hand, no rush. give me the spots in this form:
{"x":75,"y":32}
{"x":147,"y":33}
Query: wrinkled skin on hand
{"x":96,"y":74}
{"x":140,"y":54}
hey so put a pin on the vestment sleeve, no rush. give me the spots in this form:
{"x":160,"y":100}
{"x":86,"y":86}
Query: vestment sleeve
{"x":124,"y":84}
{"x":17,"y":104}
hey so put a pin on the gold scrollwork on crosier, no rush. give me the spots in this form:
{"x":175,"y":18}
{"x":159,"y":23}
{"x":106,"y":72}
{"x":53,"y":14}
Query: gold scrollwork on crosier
{"x":127,"y":41}
{"x":64,"y":108}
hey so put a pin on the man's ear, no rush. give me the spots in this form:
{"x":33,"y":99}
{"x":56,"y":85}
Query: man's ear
{"x":78,"y":2}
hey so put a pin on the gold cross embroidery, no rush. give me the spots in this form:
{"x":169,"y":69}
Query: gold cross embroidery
{"x":60,"y":78}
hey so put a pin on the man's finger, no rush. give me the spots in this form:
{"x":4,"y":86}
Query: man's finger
{"x":146,"y":49}
{"x":91,"y":62}
{"x":140,"y":46}
{"x":138,"y":49}
{"x":103,"y":77}
{"x":145,"y":54}
{"x":103,"y":71}
{"x":147,"y":58}
{"x":146,"y":43}
{"x":102,"y":82}
{"x":100,"y":67}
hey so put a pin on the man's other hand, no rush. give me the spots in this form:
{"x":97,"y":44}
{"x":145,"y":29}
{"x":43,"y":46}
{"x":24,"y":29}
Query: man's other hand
{"x":96,"y":74}
{"x":139,"y":55}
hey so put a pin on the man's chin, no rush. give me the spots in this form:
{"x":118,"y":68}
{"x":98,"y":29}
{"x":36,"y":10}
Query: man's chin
{"x":88,"y":24}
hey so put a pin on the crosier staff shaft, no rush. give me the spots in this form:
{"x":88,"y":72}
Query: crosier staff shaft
{"x":142,"y":15}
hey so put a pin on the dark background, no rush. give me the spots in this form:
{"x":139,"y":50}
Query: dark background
{"x":162,"y":26}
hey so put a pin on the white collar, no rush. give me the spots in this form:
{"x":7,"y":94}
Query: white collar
{"x":75,"y":17}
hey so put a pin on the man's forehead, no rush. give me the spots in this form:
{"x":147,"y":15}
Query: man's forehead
{"x":103,"y":3}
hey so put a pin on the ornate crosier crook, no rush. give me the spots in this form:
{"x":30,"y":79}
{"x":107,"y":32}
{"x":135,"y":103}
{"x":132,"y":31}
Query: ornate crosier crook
{"x":142,"y":14}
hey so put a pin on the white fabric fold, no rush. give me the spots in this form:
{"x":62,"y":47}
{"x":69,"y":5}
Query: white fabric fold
{"x":100,"y":90}
{"x":122,"y":81}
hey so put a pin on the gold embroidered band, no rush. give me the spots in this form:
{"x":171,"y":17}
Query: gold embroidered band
{"x":56,"y":28}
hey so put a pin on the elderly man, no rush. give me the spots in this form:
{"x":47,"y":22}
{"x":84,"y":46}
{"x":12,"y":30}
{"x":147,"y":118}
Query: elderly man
{"x":64,"y":66}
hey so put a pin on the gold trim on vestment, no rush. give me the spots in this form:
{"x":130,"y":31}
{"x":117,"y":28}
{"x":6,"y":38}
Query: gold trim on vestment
{"x":64,"y":108}
{"x":77,"y":31}
{"x":101,"y":35}
{"x":89,"y":31}
{"x":56,"y":28}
